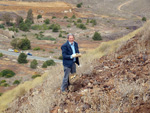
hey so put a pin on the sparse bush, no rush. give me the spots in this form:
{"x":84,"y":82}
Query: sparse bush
{"x":5,"y":84}
{"x":68,"y":25}
{"x":93,"y":22}
{"x":60,"y":57}
{"x":65,"y":17}
{"x":51,"y":51}
{"x":7,"y":73}
{"x":87,"y":21}
{"x":36,"y":48}
{"x":44,"y":65}
{"x":50,"y":63}
{"x":2,"y":81}
{"x":2,"y":26}
{"x":47,"y":21}
{"x":13,"y":29}
{"x":81,"y":26}
{"x":60,"y":35}
{"x":55,"y":28}
{"x":16,"y":82}
{"x":34,"y":76}
{"x":97,"y":36}
{"x":79,"y":5}
{"x":33,"y":64}
{"x":39,"y":16}
{"x":73,"y":17}
{"x":40,"y":27}
{"x":1,"y":94}
{"x":63,"y":37}
{"x":53,"y":17}
{"x":144,"y":19}
{"x":79,"y":21}
{"x":1,"y":54}
{"x":22,"y":58}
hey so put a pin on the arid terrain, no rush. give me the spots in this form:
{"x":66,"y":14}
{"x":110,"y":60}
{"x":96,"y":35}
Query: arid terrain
{"x":104,"y":76}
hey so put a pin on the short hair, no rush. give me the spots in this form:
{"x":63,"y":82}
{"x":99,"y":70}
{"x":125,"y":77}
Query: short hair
{"x":70,"y":34}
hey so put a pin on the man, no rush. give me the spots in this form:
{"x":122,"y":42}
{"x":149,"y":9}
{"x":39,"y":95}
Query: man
{"x":69,"y":50}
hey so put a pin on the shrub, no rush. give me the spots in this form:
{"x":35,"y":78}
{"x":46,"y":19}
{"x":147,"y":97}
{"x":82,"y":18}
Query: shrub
{"x":53,"y":17}
{"x":144,"y":19}
{"x":22,"y":58}
{"x":93,"y":22}
{"x":81,"y":26}
{"x":34,"y":76}
{"x":50,"y":63}
{"x":40,"y":27}
{"x":65,"y":17}
{"x":24,"y":44}
{"x":79,"y":21}
{"x":60,"y":57}
{"x":97,"y":36}
{"x":68,"y":25}
{"x":44,"y":65}
{"x":13,"y":29}
{"x":24,"y":26}
{"x":1,"y":54}
{"x":60,"y":35}
{"x":1,"y":94}
{"x":39,"y":16}
{"x":47,"y":21}
{"x":55,"y":28}
{"x":7,"y":73}
{"x":79,"y":5}
{"x":36,"y":48}
{"x":5,"y":84}
{"x":16,"y":82}
{"x":2,"y":81}
{"x":73,"y":17}
{"x":33,"y":64}
{"x":2,"y":26}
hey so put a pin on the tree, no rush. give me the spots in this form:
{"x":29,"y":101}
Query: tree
{"x":15,"y":42}
{"x":79,"y":5}
{"x":73,"y":17}
{"x":144,"y":19}
{"x":30,"y":16}
{"x":7,"y":18}
{"x":47,"y":21}
{"x":79,"y":21}
{"x":22,"y":58}
{"x":97,"y":36}
{"x":19,"y":20}
{"x":7,"y":73}
{"x":24,"y":27}
{"x":39,"y":16}
{"x":44,"y":65}
{"x":24,"y":44}
{"x":34,"y":64}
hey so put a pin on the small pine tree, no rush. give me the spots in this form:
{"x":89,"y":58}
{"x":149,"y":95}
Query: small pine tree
{"x":73,"y":17}
{"x":33,"y":64}
{"x":44,"y":65}
{"x":144,"y":19}
{"x":22,"y":58}
{"x":47,"y":21}
{"x":97,"y":36}
{"x":39,"y":16}
{"x":30,"y":16}
{"x":60,"y":35}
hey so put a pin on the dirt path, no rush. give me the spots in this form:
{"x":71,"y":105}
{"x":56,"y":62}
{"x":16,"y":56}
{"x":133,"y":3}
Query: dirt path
{"x":126,"y":3}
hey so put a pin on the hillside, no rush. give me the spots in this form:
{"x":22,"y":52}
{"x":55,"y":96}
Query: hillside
{"x":116,"y":82}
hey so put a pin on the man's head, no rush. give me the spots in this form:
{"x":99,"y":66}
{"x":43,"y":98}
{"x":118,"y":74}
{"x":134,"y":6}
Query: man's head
{"x":70,"y":37}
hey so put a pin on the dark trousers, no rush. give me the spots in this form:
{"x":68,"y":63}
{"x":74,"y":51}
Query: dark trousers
{"x":67,"y":71}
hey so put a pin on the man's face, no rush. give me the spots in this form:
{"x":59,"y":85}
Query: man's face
{"x":71,"y":39}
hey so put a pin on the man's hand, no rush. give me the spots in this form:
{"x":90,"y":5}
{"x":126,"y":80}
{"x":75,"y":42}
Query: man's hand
{"x":76,"y":55}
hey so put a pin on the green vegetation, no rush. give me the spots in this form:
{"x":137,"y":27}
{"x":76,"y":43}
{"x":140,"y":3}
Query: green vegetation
{"x":22,"y":58}
{"x":73,"y":17}
{"x":79,"y":21}
{"x":144,"y":19}
{"x":19,"y":20}
{"x":44,"y":65}
{"x":4,"y":84}
{"x":39,"y":16}
{"x":30,"y":16}
{"x":7,"y":73}
{"x":40,"y":27}
{"x":53,"y":17}
{"x":60,"y":57}
{"x":81,"y":26}
{"x":23,"y":44}
{"x":2,"y":81}
{"x":34,"y":64}
{"x":50,"y":63}
{"x":13,"y":29}
{"x":79,"y":5}
{"x":1,"y":94}
{"x":1,"y":54}
{"x":68,"y":25}
{"x":6,"y":17}
{"x":2,"y":26}
{"x":34,"y":76}
{"x":25,"y":26}
{"x":40,"y":36}
{"x":36,"y":48}
{"x":16,"y":82}
{"x":97,"y":36}
{"x":93,"y":22}
{"x":65,"y":17}
{"x":60,"y":35}
{"x":47,"y":21}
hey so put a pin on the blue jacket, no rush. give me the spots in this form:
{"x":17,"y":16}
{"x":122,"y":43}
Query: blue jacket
{"x":67,"y":52}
